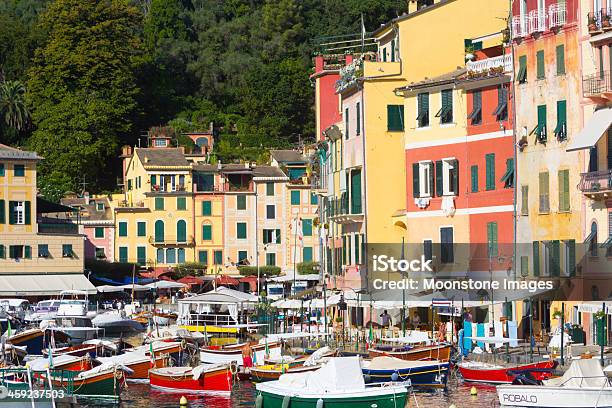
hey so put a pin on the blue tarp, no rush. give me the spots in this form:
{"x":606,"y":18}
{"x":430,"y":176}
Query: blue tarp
{"x":467,"y":332}
{"x":127,"y":280}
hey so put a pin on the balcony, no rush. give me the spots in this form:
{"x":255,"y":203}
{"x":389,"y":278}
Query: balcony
{"x":557,"y":15}
{"x":168,"y":188}
{"x":491,"y":64}
{"x":536,"y":21}
{"x":339,"y":210}
{"x":597,"y":185}
{"x":520,"y":26}
{"x":45,"y":227}
{"x":599,"y":21}
{"x":172,"y":241}
{"x":597,"y":86}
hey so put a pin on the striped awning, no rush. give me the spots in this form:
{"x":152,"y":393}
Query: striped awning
{"x":43,"y":284}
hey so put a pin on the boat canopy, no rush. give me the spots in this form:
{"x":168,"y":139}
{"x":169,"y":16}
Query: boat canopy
{"x":582,"y":373}
{"x":164,"y":284}
{"x":339,"y":374}
{"x":392,"y":363}
{"x":413,"y":337}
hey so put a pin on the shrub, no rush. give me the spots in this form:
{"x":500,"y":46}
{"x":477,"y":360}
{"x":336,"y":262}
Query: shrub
{"x":263,"y":270}
{"x":306,"y":268}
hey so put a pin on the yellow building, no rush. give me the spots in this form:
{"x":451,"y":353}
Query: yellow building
{"x":39,"y":255}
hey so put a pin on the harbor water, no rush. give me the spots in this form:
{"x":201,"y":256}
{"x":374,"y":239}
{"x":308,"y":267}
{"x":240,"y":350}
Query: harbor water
{"x":243,"y":396}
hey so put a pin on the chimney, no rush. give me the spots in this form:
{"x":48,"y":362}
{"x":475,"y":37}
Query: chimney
{"x":319,"y":63}
{"x":348,"y":60}
{"x":86,"y":197}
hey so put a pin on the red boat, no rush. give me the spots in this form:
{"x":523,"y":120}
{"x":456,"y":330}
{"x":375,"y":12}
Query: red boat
{"x":216,"y":378}
{"x":491,"y":373}
{"x":440,"y":352}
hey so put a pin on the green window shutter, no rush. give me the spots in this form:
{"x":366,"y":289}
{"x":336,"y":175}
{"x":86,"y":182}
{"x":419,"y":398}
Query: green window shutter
{"x":524,"y":265}
{"x":561,"y":128}
{"x":206,"y":232}
{"x":415,"y":180}
{"x":27,"y":252}
{"x":490,"y":171}
{"x":159,"y":203}
{"x":295,"y":197}
{"x":395,"y":118}
{"x":123,"y":229}
{"x":560,"y":59}
{"x":19,"y":170}
{"x":314,"y":199}
{"x":153,"y":180}
{"x":439,"y":180}
{"x":423,"y":109}
{"x":141,"y":255}
{"x":203,"y":257}
{"x":393,"y":50}
{"x":521,"y":77}
{"x":271,"y":259}
{"x":270,"y":189}
{"x":307,"y":227}
{"x":181,"y":203}
{"x":541,"y":122}
{"x":536,"y":258}
{"x":241,"y":230}
{"x":206,"y":207}
{"x":540,"y":64}
{"x":356,"y":192}
{"x":555,"y":259}
{"x":492,"y":247}
{"x":544,"y":198}
{"x":2,"y":212}
{"x":241,"y":202}
{"x":446,"y":113}
{"x":99,"y":232}
{"x":12,"y":215}
{"x":278,"y":236}
{"x":563,"y":179}
{"x":357,"y":248}
{"x":474,"y":175}
{"x":123,"y":254}
{"x":346,"y":123}
{"x":358,"y":114}
{"x":1,"y":169}
{"x":343,"y":250}
{"x":524,"y":200}
{"x":181,"y":231}
{"x":27,"y":217}
{"x":571,"y":249}
{"x":141,"y":228}
{"x":2,"y":252}
{"x":307,"y":254}
{"x":159,"y":231}
{"x":242,"y":255}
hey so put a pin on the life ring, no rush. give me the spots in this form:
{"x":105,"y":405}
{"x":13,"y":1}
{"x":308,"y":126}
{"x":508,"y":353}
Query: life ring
{"x":233,"y":367}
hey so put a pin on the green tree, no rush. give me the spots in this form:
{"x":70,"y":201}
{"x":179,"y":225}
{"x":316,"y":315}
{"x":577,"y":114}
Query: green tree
{"x":13,"y":109}
{"x":82,"y":90}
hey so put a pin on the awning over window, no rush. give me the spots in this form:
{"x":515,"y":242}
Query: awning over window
{"x":43,"y":285}
{"x":594,"y":129}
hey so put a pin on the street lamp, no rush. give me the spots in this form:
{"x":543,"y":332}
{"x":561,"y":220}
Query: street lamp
{"x":342,"y":308}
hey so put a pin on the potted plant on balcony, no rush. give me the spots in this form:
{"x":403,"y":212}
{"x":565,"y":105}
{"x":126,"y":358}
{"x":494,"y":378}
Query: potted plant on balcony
{"x":605,"y":22}
{"x":595,"y":186}
{"x":469,"y":53}
{"x":593,"y":29}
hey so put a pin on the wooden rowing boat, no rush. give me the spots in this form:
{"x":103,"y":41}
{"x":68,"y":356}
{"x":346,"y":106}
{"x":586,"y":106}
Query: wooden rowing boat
{"x":201,"y":379}
{"x":440,"y":352}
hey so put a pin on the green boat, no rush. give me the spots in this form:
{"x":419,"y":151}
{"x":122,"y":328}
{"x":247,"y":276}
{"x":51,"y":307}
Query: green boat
{"x":338,"y":384}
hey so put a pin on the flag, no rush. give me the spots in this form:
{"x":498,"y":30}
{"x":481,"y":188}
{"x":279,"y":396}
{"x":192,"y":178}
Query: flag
{"x":267,"y":349}
{"x":50,"y":358}
{"x":363,"y":34}
{"x":8,"y":329}
{"x":254,"y":358}
{"x":300,"y":232}
{"x":152,"y":353}
{"x":371,"y":335}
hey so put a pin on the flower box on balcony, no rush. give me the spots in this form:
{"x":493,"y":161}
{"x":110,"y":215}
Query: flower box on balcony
{"x":595,"y":186}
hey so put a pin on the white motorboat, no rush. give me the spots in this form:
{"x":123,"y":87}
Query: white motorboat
{"x":583,"y":385}
{"x":73,"y":317}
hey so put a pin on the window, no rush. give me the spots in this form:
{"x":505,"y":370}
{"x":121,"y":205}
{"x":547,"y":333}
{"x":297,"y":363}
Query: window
{"x":161,"y":258}
{"x":159,"y":203}
{"x":141,"y":228}
{"x":181,"y":231}
{"x":160,"y":142}
{"x":218,"y":257}
{"x":16,"y":251}
{"x":474,"y":176}
{"x":492,"y":245}
{"x":271,"y":236}
{"x":129,"y":184}
{"x":356,"y":192}
{"x":592,"y":240}
{"x":19,"y":170}
{"x":141,"y":255}
{"x":358,"y":124}
{"x":540,"y":73}
{"x":447,"y":177}
{"x":490,"y":171}
{"x":560,"y":59}
{"x":241,"y":202}
{"x":206,"y":207}
{"x":180,"y":254}
{"x":153,"y":182}
{"x":501,"y":111}
{"x":392,"y":49}
{"x":207,"y":232}
{"x":123,"y":226}
{"x":170,"y":255}
{"x":2,"y":212}
{"x":100,"y":253}
{"x":242,"y":256}
{"x":521,"y":77}
{"x":241,"y":230}
{"x":27,"y":252}
{"x":561,"y":128}
{"x":1,"y":169}
{"x":446,"y":111}
{"x":295,"y":197}
{"x":544,"y":198}
{"x":508,"y":177}
{"x":446,"y":245}
{"x":270,"y":212}
{"x":99,"y":206}
{"x":43,"y":251}
{"x":541,"y":127}
{"x":423,"y":109}
{"x":307,"y":227}
{"x":269,"y":189}
{"x":593,"y":159}
{"x":314,"y":199}
{"x":564,"y":195}
{"x":357,"y":248}
{"x":346,"y":123}
{"x":307,"y":254}
{"x":19,"y":212}
{"x":99,"y":232}
{"x":476,"y":115}
{"x":67,"y":251}
{"x":270,"y":259}
{"x":181,"y":203}
{"x":524,"y":265}
{"x":395,"y":118}
{"x":536,"y":258}
{"x":422,"y":179}
{"x":159,"y":231}
{"x":525,"y":200}
{"x":203,"y":257}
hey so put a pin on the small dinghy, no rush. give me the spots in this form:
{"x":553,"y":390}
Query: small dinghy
{"x":440,"y":352}
{"x":476,"y":371}
{"x":205,"y":378}
{"x":420,"y":373}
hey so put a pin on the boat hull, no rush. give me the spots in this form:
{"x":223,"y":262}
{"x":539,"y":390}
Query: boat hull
{"x":435,"y":352}
{"x":103,"y":385}
{"x":211,"y":356}
{"x":504,"y":375}
{"x":559,"y":397}
{"x":389,"y":400}
{"x":434,"y":375}
{"x":218,"y":380}
{"x":270,"y":373}
{"x":32,"y":339}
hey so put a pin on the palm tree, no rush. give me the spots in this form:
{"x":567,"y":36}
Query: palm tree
{"x":13,"y":110}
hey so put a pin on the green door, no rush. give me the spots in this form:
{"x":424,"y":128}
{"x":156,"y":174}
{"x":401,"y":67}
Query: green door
{"x":181,"y":231}
{"x":159,"y":231}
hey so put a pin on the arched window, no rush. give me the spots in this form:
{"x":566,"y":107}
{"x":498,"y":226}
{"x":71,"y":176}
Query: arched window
{"x":593,"y":242}
{"x":159,"y":231}
{"x":181,"y":231}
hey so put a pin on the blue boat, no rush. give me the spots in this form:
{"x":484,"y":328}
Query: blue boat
{"x":33,"y":339}
{"x":423,"y":373}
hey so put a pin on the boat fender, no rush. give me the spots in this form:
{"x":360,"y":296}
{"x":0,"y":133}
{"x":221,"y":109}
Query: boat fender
{"x":234,"y":367}
{"x":259,"y":401}
{"x":367,"y":378}
{"x":286,"y":402}
{"x":183,"y":344}
{"x":394,"y":376}
{"x":320,"y":403}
